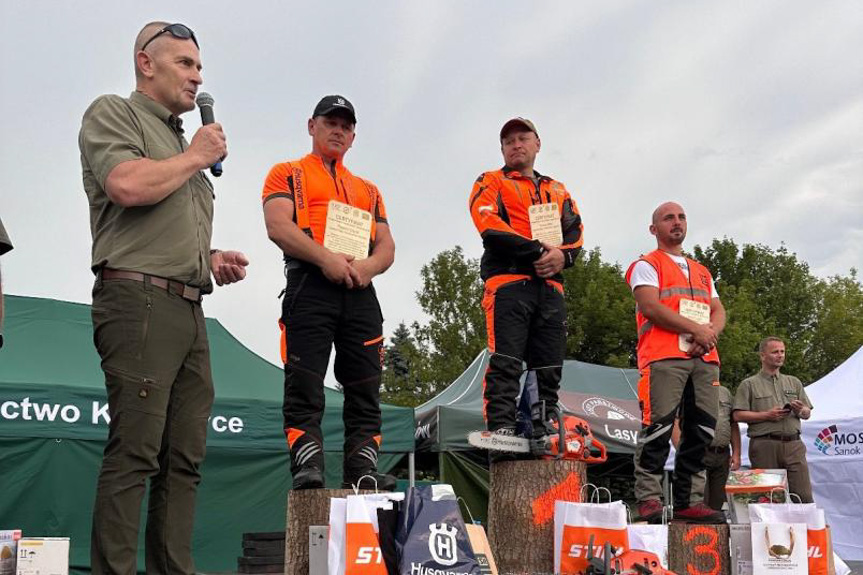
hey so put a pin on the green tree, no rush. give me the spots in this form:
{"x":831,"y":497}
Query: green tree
{"x":765,"y":292}
{"x":838,"y":330}
{"x":403,"y":381}
{"x":451,"y":295}
{"x":600,"y":312}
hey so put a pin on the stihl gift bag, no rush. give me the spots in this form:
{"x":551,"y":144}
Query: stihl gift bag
{"x":431,"y":534}
{"x":574,"y":526}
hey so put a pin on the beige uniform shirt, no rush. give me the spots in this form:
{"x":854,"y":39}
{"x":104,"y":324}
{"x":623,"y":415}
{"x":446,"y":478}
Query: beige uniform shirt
{"x":762,"y":392}
{"x":170,"y":239}
{"x":722,"y":433}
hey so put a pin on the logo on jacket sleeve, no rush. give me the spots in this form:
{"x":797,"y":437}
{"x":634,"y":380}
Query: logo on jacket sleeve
{"x":442,"y":544}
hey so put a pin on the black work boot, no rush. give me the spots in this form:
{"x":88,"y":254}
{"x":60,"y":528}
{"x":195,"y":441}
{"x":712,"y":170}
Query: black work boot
{"x":307,"y":464}
{"x":308,"y":477}
{"x":545,"y":419}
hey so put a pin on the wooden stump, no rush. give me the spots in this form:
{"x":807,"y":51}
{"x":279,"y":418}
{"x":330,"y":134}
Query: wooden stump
{"x":306,"y":507}
{"x":521,"y":511}
{"x":699,"y":549}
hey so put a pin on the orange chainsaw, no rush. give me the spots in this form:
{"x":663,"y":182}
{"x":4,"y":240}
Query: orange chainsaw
{"x":572,"y":432}
{"x":631,"y":562}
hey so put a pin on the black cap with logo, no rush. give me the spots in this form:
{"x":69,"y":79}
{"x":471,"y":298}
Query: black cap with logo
{"x":335,"y":105}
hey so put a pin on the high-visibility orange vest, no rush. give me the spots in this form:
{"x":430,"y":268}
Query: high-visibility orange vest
{"x":654,"y":342}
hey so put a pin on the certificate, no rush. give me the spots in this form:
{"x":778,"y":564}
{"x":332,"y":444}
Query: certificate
{"x":545,"y":223}
{"x":349,"y":230}
{"x":696,"y":311}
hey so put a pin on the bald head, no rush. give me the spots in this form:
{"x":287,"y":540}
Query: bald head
{"x":147,"y":32}
{"x":660,"y":211}
{"x":668,"y":224}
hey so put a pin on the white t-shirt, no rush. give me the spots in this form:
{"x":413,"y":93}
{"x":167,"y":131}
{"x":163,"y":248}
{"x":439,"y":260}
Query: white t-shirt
{"x":644,"y":274}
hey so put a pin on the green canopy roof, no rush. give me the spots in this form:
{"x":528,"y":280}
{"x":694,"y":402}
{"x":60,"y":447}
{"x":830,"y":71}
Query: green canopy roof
{"x":606,"y":397}
{"x":49,"y":358}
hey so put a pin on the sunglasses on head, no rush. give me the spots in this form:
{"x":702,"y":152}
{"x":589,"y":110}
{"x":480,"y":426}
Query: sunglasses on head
{"x":180,"y":31}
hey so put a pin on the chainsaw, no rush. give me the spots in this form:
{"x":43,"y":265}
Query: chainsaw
{"x":573,"y":433}
{"x":630,"y":562}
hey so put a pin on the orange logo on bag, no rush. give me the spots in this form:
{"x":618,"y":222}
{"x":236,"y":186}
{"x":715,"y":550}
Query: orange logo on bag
{"x":362,"y":550}
{"x":576,"y":542}
{"x":819,"y":563}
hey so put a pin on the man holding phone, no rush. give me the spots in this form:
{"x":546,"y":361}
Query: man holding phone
{"x":773,"y":404}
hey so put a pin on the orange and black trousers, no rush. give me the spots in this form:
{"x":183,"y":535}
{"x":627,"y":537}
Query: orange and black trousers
{"x":526,"y":323}
{"x":316,"y":316}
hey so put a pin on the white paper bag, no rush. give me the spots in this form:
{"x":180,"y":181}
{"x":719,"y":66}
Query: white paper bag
{"x":817,"y":543}
{"x":653,"y":538}
{"x":336,"y":537}
{"x":779,"y":549}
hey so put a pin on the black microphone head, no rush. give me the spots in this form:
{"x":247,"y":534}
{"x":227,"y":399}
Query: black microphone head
{"x":204,"y":99}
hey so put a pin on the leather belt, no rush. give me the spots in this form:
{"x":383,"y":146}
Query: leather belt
{"x":779,"y":437}
{"x":187,"y":292}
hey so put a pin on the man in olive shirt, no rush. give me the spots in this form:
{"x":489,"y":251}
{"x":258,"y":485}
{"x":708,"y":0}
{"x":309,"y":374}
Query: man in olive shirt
{"x":773,"y":404}
{"x":151,"y":213}
{"x":5,"y":246}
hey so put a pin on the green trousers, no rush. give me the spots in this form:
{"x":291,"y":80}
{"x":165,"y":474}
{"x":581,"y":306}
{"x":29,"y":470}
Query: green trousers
{"x":155,"y":356}
{"x":668,"y":388}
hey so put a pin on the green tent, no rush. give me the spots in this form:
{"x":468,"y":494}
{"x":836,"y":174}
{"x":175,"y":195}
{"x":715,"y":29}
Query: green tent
{"x":605,"y":397}
{"x":53,"y":424}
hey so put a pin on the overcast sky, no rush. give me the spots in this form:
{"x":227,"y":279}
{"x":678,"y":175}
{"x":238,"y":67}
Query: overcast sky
{"x":748,"y":113}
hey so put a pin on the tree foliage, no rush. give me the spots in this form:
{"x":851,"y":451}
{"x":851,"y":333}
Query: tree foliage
{"x":765,"y":292}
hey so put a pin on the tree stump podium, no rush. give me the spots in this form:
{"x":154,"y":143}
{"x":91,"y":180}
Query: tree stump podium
{"x":521,"y":510}
{"x":306,"y":507}
{"x":699,"y":549}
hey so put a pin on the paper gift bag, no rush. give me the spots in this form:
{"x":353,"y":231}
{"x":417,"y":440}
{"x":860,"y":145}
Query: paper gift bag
{"x":336,"y":537}
{"x":653,"y":538}
{"x":819,"y":550}
{"x":481,"y":549}
{"x":431,"y":534}
{"x":575,"y":523}
{"x":779,"y":549}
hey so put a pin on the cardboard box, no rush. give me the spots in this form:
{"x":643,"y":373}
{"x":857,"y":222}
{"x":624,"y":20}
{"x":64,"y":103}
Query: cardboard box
{"x":43,"y":556}
{"x":747,"y":486}
{"x":8,"y":550}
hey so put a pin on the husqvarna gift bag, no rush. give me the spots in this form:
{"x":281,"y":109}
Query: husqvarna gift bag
{"x":431,"y":535}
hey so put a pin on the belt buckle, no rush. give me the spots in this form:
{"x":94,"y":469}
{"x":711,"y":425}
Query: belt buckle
{"x":190,"y":294}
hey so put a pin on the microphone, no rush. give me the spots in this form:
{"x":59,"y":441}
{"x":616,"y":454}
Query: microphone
{"x":205,"y":103}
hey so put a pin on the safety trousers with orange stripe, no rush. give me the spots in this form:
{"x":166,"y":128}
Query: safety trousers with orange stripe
{"x":317,"y":315}
{"x":526,"y":323}
{"x":669,"y":388}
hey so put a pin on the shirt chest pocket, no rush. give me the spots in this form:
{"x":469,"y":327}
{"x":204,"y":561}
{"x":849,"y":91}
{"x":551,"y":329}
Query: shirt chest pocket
{"x":763,"y":400}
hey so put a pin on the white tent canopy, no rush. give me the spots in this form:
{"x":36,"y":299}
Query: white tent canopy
{"x":834,"y":450}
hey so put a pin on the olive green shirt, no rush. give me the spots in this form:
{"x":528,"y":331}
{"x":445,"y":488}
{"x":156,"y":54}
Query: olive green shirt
{"x":762,"y":392}
{"x":170,"y":239}
{"x":5,"y":244}
{"x":722,"y":432}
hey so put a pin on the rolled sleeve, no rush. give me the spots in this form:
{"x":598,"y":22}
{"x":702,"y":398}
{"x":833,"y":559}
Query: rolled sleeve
{"x":110,"y":135}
